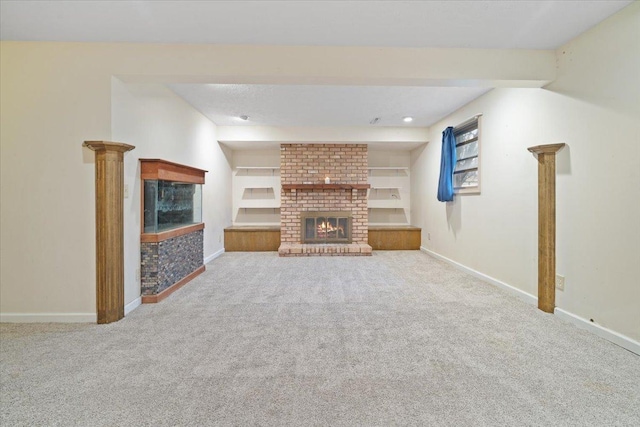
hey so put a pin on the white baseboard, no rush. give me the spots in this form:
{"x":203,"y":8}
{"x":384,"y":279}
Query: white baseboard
{"x":608,"y":334}
{"x":48,"y":317}
{"x":61,"y":317}
{"x":132,"y":305}
{"x":526,"y":297}
{"x":213,"y":256}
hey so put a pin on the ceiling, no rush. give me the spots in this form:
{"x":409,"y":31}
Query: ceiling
{"x":471,"y":24}
{"x":419,"y":24}
{"x":306,"y":105}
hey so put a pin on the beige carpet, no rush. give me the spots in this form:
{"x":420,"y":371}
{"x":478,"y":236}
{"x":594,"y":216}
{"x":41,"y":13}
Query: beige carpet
{"x":393,"y":339}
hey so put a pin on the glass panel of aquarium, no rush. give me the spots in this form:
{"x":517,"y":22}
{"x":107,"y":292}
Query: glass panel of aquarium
{"x":169,"y":205}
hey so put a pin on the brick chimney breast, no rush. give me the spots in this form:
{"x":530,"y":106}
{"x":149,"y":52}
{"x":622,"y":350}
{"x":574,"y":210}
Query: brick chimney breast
{"x":312,"y":164}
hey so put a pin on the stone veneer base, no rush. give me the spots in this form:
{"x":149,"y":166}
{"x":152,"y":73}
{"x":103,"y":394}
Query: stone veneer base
{"x":168,"y":262}
{"x":336,"y":249}
{"x":152,"y":299}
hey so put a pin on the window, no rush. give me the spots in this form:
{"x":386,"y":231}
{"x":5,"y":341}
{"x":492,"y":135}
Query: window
{"x":466,"y":174}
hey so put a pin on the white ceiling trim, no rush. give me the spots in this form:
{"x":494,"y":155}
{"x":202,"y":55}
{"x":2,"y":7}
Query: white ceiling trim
{"x":270,"y":137}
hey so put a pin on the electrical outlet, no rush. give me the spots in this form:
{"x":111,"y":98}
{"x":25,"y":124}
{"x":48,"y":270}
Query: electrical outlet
{"x":559,"y":282}
{"x":428,"y":236}
{"x":138,"y":274}
{"x":126,"y":191}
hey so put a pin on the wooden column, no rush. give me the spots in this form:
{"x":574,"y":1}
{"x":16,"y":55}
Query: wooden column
{"x":546,"y":224}
{"x":109,"y":228}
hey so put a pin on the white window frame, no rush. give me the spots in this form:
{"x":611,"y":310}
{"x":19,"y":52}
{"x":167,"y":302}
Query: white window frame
{"x":464,"y":127}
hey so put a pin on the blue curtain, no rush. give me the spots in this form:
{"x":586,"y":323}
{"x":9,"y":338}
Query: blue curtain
{"x":447,"y":163}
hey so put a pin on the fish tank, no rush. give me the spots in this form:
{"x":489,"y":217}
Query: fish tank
{"x":171,"y":204}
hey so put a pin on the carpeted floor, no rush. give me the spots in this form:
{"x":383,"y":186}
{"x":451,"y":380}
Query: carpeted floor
{"x":394,"y":339}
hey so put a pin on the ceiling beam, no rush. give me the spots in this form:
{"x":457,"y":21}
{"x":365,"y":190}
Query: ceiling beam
{"x":337,"y":65}
{"x":254,"y":137}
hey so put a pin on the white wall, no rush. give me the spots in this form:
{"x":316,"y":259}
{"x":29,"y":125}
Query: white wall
{"x":50,"y":105}
{"x":162,"y":125}
{"x":593,"y":107}
{"x":54,"y":96}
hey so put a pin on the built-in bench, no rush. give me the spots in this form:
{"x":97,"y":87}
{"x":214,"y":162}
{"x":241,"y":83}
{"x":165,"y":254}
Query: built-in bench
{"x":394,"y":237}
{"x":252,"y":238}
{"x":267,"y":238}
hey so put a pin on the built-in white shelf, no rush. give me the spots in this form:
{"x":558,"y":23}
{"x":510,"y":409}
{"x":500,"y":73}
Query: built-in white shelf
{"x":256,"y":197}
{"x":389,"y":197}
{"x":249,"y":172}
{"x":258,"y":193}
{"x":383,"y":174}
{"x":259,"y":204}
{"x":386,"y":204}
{"x":258,"y":167}
{"x":393,"y":168}
{"x":270,"y":208}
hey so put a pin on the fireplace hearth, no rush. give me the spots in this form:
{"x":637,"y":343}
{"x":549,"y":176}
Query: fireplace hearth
{"x":326,"y":227}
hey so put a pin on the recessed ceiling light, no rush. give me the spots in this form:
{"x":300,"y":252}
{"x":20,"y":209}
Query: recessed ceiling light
{"x":245,"y":118}
{"x":407,"y":119}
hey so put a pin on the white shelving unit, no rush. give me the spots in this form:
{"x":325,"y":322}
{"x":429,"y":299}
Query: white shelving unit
{"x":256,"y":195}
{"x":273,"y":169}
{"x":257,"y":186}
{"x":389,"y":197}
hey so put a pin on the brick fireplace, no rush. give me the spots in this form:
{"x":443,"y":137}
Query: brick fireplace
{"x":326,"y":181}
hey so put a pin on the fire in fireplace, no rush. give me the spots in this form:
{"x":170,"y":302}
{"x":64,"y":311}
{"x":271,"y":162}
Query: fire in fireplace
{"x":326,"y":227}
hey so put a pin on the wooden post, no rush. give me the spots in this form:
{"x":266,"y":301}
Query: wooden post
{"x":546,"y":224}
{"x":109,"y":228}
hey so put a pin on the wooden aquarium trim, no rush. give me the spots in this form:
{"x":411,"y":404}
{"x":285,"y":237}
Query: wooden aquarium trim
{"x":170,"y":234}
{"x":170,"y":171}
